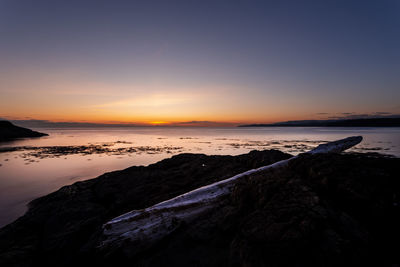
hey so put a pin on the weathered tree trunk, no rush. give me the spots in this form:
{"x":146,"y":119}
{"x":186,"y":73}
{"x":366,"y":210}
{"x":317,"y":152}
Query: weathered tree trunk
{"x":155,"y":222}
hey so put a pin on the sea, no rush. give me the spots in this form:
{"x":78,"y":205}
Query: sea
{"x":30,"y":168}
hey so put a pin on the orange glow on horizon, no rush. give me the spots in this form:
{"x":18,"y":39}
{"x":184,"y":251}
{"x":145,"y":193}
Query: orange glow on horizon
{"x":159,"y":122}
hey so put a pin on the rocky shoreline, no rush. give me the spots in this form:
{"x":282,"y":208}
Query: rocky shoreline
{"x":321,"y":210}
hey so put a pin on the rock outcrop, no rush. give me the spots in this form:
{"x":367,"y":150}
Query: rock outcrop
{"x":9,"y":131}
{"x":322,"y":210}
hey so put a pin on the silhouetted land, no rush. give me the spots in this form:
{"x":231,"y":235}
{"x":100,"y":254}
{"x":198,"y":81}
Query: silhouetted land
{"x":9,"y":131}
{"x":321,"y":210}
{"x":377,"y":122}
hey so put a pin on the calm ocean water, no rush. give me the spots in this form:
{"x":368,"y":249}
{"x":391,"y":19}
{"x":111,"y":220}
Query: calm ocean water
{"x":35,"y":167}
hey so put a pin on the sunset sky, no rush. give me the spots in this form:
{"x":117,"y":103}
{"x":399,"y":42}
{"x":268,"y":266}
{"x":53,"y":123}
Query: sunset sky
{"x":177,"y":61}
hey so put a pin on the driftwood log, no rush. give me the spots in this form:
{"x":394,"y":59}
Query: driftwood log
{"x":155,"y":222}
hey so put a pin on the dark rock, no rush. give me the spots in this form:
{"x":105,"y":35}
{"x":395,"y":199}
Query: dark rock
{"x":323,"y":210}
{"x":63,"y":228}
{"x":9,"y":131}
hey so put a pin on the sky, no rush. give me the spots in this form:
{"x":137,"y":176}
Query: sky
{"x":228,"y":62}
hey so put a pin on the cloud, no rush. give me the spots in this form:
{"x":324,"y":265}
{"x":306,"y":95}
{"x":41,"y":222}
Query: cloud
{"x":383,"y":113}
{"x":205,"y":124}
{"x":349,"y":115}
{"x":151,"y":101}
{"x":353,"y":115}
{"x":51,"y":124}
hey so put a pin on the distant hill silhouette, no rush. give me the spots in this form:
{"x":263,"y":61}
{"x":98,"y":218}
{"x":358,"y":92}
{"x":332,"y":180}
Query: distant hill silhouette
{"x":372,"y":122}
{"x":9,"y":131}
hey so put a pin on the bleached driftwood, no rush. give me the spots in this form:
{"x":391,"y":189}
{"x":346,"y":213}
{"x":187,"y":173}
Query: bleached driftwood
{"x":157,"y":221}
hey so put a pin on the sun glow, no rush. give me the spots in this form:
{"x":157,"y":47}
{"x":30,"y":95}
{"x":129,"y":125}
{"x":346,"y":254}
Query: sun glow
{"x":159,"y":122}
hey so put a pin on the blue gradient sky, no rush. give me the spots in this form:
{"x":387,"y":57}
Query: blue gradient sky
{"x":173,"y":61}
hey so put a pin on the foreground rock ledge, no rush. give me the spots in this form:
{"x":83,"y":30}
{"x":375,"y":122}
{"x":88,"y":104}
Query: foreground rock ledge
{"x":321,"y":210}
